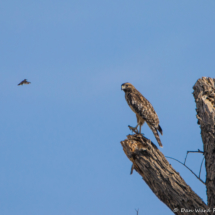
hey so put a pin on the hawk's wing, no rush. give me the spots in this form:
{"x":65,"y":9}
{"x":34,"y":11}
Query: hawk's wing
{"x":141,"y":106}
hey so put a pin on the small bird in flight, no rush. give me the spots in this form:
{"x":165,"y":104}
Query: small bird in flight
{"x":24,"y":82}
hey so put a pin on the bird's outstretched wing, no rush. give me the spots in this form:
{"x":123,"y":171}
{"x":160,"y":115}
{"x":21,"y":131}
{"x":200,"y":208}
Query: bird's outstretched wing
{"x":24,"y":82}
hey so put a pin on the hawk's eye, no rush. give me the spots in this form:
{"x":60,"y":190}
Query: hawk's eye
{"x":126,"y":85}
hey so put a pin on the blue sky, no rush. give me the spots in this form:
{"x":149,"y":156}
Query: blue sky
{"x":60,"y":150}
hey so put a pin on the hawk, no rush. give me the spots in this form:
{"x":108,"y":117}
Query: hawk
{"x":143,"y":109}
{"x":24,"y":82}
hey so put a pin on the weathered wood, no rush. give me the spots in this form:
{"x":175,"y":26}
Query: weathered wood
{"x":164,"y":181}
{"x":204,"y":94}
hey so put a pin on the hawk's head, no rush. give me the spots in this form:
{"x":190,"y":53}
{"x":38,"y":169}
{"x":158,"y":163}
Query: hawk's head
{"x":127,"y":87}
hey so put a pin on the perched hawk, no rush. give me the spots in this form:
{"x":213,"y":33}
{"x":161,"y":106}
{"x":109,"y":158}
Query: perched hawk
{"x":143,"y":110}
{"x":24,"y":82}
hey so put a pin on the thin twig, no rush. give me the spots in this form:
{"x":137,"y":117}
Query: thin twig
{"x":201,"y":167}
{"x":187,"y":168}
{"x":137,"y":211}
{"x":199,"y":151}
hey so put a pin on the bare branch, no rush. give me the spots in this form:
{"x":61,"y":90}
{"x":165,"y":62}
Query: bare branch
{"x":199,"y":151}
{"x":187,"y":168}
{"x":160,"y":176}
{"x":137,"y":211}
{"x":201,"y":167}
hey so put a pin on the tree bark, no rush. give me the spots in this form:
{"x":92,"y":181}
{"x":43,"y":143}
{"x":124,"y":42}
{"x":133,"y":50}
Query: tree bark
{"x":204,"y":94}
{"x":163,"y":180}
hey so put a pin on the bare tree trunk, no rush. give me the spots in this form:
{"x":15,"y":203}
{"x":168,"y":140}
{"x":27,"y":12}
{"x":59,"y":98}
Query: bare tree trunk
{"x":163,"y":180}
{"x":204,"y":94}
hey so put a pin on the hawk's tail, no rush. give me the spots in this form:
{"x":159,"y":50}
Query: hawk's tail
{"x":155,"y":132}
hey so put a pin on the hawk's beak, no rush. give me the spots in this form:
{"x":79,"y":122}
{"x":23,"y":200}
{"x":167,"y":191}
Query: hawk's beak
{"x":122,"y":87}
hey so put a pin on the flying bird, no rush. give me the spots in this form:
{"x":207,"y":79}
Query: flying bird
{"x":24,"y":82}
{"x":143,"y":109}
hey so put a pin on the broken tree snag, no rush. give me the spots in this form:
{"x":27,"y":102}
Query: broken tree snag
{"x":162,"y":179}
{"x":204,"y":94}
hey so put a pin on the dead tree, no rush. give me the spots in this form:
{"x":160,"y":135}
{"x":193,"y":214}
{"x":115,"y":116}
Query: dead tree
{"x":163,"y":180}
{"x":204,"y":94}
